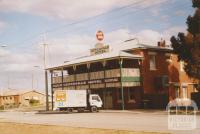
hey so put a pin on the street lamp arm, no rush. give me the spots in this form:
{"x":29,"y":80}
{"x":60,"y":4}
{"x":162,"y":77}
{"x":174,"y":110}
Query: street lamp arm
{"x":132,"y":40}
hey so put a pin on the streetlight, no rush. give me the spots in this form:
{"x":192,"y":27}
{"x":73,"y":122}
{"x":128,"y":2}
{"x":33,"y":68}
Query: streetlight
{"x":3,"y":45}
{"x":46,"y":73}
{"x":132,"y":40}
{"x":33,"y":77}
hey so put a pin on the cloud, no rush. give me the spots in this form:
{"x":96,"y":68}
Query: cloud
{"x":148,"y":36}
{"x":2,"y":25}
{"x":180,"y":13}
{"x":62,"y":9}
{"x":3,"y":52}
{"x":69,"y":9}
{"x":173,"y":31}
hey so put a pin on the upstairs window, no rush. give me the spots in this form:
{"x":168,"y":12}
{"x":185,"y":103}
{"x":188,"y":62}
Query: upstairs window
{"x":152,"y":61}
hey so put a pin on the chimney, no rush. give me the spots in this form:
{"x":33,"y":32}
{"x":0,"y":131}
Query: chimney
{"x":163,"y":43}
{"x":159,"y":44}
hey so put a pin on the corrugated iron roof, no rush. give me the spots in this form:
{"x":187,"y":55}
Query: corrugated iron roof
{"x":109,"y":55}
{"x":12,"y":92}
{"x":118,"y":51}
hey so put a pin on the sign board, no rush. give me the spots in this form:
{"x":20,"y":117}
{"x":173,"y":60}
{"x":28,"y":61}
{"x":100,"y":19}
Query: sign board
{"x":99,"y":50}
{"x":99,"y":35}
{"x":98,"y":81}
{"x":70,"y":98}
{"x":61,"y":96}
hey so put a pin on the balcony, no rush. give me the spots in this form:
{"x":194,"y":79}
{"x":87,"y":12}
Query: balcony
{"x":97,"y":75}
{"x":127,"y":74}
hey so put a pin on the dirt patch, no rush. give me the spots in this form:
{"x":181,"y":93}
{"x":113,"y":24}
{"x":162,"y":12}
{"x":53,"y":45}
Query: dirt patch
{"x":17,"y":128}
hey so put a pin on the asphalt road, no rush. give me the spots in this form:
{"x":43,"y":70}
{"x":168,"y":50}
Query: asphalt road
{"x":153,"y":121}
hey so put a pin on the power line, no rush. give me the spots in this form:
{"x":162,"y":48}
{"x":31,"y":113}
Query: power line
{"x":121,"y":16}
{"x":93,"y":17}
{"x":80,"y":21}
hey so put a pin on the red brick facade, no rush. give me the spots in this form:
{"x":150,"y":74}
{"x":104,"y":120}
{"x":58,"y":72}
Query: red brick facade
{"x":166,"y":65}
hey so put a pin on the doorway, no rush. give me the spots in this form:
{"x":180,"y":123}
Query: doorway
{"x":108,"y":99}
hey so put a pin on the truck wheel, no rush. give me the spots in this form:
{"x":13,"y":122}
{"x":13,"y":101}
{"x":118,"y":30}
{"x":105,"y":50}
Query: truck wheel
{"x":70,"y":110}
{"x":94,"y":109}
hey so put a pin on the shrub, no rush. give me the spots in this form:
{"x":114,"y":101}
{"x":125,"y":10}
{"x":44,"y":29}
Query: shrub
{"x":33,"y":102}
{"x":1,"y":107}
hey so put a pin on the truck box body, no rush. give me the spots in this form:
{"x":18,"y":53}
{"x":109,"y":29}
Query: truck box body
{"x":70,"y":98}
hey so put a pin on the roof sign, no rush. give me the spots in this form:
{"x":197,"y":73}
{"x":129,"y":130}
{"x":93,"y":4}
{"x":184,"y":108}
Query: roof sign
{"x":99,"y":35}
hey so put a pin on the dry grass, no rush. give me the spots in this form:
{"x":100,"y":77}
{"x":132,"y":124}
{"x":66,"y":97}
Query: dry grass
{"x":16,"y":128}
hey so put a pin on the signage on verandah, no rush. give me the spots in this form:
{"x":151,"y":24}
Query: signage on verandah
{"x":98,"y":81}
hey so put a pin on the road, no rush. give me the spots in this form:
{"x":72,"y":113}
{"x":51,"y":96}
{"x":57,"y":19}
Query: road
{"x":134,"y":121}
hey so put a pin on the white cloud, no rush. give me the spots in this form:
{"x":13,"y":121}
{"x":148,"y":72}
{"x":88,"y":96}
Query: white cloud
{"x":62,"y":9}
{"x":173,"y":31}
{"x":148,"y":36}
{"x":3,"y":52}
{"x":180,"y":13}
{"x":151,"y":37}
{"x":69,"y":9}
{"x":2,"y":25}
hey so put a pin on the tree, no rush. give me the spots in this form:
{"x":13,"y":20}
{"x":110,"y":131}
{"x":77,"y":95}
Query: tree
{"x":187,"y":46}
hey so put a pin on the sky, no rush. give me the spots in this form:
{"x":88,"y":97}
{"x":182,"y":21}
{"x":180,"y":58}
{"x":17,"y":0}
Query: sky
{"x":69,"y":28}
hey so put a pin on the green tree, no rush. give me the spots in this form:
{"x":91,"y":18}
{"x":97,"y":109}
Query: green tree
{"x":187,"y":46}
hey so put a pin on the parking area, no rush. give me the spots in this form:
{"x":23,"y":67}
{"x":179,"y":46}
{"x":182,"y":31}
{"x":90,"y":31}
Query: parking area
{"x":152,"y":121}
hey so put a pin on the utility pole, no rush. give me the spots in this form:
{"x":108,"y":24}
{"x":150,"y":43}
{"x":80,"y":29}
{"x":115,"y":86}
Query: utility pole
{"x":46,"y":80}
{"x":46,"y":76}
{"x":121,"y":79}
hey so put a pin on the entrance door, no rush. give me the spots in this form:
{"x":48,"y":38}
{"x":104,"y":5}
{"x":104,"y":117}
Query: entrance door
{"x":108,"y":100}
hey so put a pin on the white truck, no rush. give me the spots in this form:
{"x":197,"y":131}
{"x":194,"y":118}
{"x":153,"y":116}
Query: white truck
{"x":69,"y":100}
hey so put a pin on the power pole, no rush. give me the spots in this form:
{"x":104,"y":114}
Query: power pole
{"x":46,"y":80}
{"x":46,"y":76}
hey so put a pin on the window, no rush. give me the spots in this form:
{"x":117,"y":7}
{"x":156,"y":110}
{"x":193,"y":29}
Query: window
{"x":152,"y":62}
{"x":131,"y":95}
{"x":95,"y":98}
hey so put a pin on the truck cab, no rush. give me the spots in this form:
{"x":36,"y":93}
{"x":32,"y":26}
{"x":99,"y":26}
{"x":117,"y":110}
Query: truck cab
{"x":95,"y":102}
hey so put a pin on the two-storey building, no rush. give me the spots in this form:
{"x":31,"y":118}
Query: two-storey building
{"x":126,"y":77}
